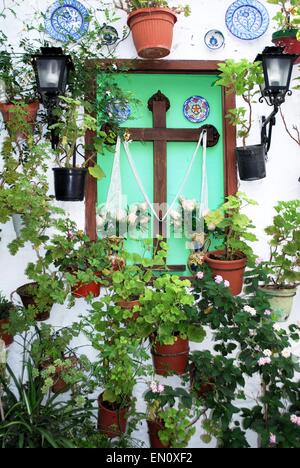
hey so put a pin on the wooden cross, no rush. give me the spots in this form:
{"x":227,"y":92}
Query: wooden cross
{"x":159,"y":105}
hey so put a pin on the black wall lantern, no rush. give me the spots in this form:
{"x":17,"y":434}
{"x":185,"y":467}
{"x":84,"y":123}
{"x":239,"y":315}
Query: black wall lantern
{"x":277,"y":68}
{"x":52,"y":69}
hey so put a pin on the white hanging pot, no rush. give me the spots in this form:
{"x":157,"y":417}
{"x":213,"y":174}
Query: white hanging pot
{"x":18,"y":223}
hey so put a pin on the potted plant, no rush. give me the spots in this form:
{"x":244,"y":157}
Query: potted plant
{"x":288,"y":21}
{"x":21,"y":106}
{"x":119,"y":364}
{"x":279,"y":276}
{"x":59,"y":366}
{"x":81,"y":261}
{"x":73,"y":121}
{"x":6,"y":308}
{"x":151,"y":23}
{"x":232,"y":227}
{"x":169,"y":426}
{"x":243,"y":78}
{"x":167,"y":317}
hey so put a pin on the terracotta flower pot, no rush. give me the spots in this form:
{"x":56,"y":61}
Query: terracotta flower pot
{"x":232,"y":271}
{"x":153,"y":429}
{"x":27,"y":297}
{"x":60,"y":386}
{"x":281,"y":300}
{"x":288,"y":40}
{"x":152,"y":31}
{"x":31,"y":110}
{"x":111,"y":422}
{"x":83,"y":290}
{"x":171,"y":358}
{"x":4,"y":335}
{"x":129,"y":305}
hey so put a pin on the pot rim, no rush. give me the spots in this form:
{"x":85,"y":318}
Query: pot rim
{"x":119,"y":410}
{"x":69,"y":169}
{"x":291,"y":33}
{"x":150,"y":10}
{"x":242,"y":258}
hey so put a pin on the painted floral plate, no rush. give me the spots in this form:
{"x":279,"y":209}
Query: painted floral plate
{"x":67,"y":20}
{"x":119,"y":111}
{"x":196,"y":109}
{"x":247,"y":19}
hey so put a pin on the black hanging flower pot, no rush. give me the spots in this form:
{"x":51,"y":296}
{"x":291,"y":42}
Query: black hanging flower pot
{"x":69,"y":183}
{"x":251,"y":162}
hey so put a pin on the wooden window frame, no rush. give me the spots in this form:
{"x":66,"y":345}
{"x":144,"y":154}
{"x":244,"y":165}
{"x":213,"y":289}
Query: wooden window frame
{"x":205,"y":67}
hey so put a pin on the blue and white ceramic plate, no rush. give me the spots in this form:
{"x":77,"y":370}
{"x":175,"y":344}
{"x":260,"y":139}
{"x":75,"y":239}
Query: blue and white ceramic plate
{"x":247,"y":19}
{"x":119,"y":111}
{"x":196,"y":109}
{"x":109,"y":35}
{"x":67,"y":20}
{"x":214,"y":39}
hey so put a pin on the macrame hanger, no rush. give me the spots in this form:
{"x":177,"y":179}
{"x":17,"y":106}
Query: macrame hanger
{"x":114,"y":195}
{"x":204,"y":190}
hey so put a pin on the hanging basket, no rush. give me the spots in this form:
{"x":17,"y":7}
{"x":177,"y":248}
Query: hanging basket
{"x":251,"y":162}
{"x":152,"y":31}
{"x":26,"y":293}
{"x":69,"y":183}
{"x":288,"y":40}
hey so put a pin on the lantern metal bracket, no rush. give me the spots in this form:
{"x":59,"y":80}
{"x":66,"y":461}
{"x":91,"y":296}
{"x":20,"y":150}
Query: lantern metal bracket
{"x":266,"y":129}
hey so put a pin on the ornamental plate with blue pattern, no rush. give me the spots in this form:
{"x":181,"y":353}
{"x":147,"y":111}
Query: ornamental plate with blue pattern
{"x":119,"y":111}
{"x":109,"y":35}
{"x":67,"y":20}
{"x":214,"y":39}
{"x":247,"y":19}
{"x":196,"y":109}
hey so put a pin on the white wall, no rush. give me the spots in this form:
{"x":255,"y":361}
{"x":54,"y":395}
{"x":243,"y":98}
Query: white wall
{"x":283,"y":167}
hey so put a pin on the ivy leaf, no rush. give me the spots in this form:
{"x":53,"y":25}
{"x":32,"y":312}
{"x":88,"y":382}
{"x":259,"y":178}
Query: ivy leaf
{"x":97,"y":172}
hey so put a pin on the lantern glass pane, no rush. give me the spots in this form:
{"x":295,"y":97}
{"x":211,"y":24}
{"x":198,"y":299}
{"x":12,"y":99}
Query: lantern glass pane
{"x":278,"y":70}
{"x":49,"y":72}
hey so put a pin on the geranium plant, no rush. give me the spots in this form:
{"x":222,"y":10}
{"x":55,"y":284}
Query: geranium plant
{"x":170,"y":409}
{"x":168,"y":311}
{"x":131,"y":5}
{"x":232,"y":227}
{"x":242,"y":78}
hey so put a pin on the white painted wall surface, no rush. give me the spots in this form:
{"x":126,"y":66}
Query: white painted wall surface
{"x":283,"y":168}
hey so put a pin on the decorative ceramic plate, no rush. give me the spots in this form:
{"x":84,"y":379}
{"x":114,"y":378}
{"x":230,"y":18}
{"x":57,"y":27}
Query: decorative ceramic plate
{"x":247,"y":19}
{"x":214,"y":39}
{"x":119,"y":111}
{"x":67,"y":20}
{"x":109,"y":35}
{"x":196,"y":109}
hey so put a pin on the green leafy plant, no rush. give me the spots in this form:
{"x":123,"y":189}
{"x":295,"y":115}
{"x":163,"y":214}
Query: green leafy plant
{"x":131,"y":5}
{"x":31,"y":422}
{"x":281,"y":270}
{"x":78,"y":258}
{"x":16,"y":75}
{"x":288,"y":17}
{"x":242,"y":78}
{"x":232,"y":227}
{"x":247,"y":340}
{"x":74,"y":119}
{"x":172,"y":410}
{"x":167,"y":311}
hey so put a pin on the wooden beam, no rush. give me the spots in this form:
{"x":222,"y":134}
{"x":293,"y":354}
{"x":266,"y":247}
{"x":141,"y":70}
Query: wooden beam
{"x":166,"y":134}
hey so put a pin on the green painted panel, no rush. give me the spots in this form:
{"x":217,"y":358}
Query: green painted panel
{"x":177,"y":88}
